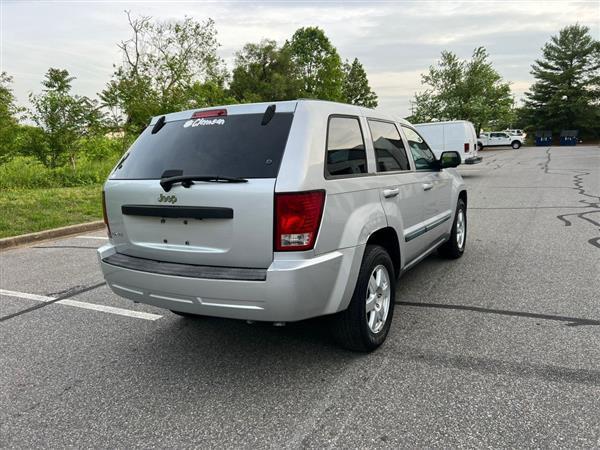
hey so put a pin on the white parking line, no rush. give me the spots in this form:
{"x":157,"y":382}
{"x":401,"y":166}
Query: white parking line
{"x":92,"y":237}
{"x":83,"y":305}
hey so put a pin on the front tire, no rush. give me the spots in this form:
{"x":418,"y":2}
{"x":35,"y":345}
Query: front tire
{"x":515,"y":145}
{"x":365,"y":324}
{"x":455,"y":246}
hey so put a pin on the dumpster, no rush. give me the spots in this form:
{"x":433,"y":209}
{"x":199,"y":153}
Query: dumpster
{"x":543,"y":138}
{"x":568,"y":137}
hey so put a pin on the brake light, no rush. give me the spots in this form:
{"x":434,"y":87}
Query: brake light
{"x":467,"y":147}
{"x":209,"y":113}
{"x":105,"y":215}
{"x":297,"y":219}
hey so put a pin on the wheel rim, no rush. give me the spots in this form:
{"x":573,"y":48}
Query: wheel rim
{"x":461,"y":229}
{"x":378,"y":298}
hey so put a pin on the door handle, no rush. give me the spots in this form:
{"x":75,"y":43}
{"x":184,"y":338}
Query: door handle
{"x":388,"y":193}
{"x":427,"y":186}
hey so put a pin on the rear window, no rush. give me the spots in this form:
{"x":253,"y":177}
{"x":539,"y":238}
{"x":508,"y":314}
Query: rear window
{"x":233,"y":146}
{"x":345,"y":147}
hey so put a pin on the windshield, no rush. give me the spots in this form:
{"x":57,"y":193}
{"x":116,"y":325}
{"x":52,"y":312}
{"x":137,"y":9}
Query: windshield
{"x":232,"y":146}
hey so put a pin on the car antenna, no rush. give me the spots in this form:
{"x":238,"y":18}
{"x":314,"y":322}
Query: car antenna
{"x":269,"y":113}
{"x":159,"y":124}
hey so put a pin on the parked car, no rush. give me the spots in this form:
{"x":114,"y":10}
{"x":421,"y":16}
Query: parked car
{"x":499,"y":139}
{"x":280,"y":213}
{"x":517,"y":132}
{"x":456,"y":135}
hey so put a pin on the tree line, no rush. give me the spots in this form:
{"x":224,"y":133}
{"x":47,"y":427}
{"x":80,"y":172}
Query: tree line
{"x":171,"y":66}
{"x":565,"y":94}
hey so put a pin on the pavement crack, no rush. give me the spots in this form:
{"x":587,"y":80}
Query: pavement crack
{"x":571,"y":321}
{"x":546,"y":164}
{"x":531,"y":207}
{"x":68,"y":293}
{"x":595,"y":242}
{"x":578,"y":179}
{"x":491,"y":366}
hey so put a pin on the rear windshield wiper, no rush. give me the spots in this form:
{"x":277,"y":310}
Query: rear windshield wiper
{"x":121,"y":161}
{"x":186,"y":180}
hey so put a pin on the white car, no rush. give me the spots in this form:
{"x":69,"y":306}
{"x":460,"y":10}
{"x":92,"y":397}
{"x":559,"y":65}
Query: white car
{"x":456,"y":135}
{"x":499,"y":139}
{"x":516,"y":132}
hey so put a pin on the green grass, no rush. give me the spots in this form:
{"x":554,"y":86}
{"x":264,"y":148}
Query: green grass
{"x":28,"y":173}
{"x":29,"y":210}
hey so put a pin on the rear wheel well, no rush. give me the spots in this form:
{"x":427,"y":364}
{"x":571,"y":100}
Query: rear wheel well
{"x":388,"y":239}
{"x":463,"y":196}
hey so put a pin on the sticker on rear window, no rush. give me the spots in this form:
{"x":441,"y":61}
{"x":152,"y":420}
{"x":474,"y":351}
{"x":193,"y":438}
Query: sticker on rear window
{"x":203,"y":122}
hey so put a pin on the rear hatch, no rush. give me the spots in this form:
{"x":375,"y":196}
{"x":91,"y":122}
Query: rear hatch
{"x":213,"y":221}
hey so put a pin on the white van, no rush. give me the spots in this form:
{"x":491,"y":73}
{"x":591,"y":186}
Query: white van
{"x":456,"y":135}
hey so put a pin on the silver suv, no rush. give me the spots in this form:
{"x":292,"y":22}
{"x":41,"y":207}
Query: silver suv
{"x":280,"y":212}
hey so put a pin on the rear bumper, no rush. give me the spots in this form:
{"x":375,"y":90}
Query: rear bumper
{"x":292,"y":289}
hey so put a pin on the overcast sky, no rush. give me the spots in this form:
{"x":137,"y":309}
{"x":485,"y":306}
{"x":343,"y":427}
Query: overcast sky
{"x":395,"y":40}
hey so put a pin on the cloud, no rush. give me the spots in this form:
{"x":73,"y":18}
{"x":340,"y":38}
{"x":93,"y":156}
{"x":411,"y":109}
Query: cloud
{"x":396,"y":41}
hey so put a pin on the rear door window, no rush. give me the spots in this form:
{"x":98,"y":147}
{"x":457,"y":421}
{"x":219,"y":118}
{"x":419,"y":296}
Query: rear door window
{"x":345,"y":147}
{"x":234,"y":146}
{"x":390,"y":153}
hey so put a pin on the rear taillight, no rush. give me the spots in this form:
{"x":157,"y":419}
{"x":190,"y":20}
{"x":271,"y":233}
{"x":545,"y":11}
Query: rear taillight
{"x":105,"y":215}
{"x":209,"y":113}
{"x":467,"y":147}
{"x":297,"y":219}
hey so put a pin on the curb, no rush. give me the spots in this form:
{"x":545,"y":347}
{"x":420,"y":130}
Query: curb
{"x":14,"y":241}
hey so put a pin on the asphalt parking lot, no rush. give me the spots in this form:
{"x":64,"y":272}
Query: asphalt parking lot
{"x":500,"y":348}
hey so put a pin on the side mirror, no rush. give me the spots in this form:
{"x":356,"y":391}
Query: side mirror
{"x":449,"y":159}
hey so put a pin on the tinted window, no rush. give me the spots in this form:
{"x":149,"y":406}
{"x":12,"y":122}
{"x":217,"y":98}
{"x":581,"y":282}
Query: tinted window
{"x":421,"y":153}
{"x":345,"y":147}
{"x":235,"y":146}
{"x":389,"y":148}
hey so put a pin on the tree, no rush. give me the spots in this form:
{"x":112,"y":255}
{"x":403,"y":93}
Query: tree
{"x":264,"y":72}
{"x":63,"y":119}
{"x":355,"y":87}
{"x":566,"y":92}
{"x":9,"y":125}
{"x":468,"y":90}
{"x":164,"y":64}
{"x":318,"y":63}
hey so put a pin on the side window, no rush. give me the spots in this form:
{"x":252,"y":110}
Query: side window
{"x":345,"y":147}
{"x":421,"y":153}
{"x":390,"y":153}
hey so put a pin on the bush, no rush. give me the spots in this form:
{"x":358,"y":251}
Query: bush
{"x":100,"y":148}
{"x":28,"y":173}
{"x":97,"y":156}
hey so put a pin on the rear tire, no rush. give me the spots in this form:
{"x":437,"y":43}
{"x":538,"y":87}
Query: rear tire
{"x":186,"y":314}
{"x":455,"y":246}
{"x":515,"y":145}
{"x":479,"y":146}
{"x":365,"y":324}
